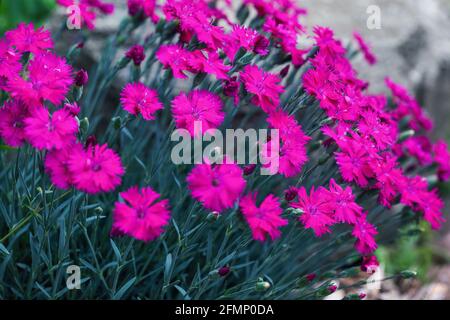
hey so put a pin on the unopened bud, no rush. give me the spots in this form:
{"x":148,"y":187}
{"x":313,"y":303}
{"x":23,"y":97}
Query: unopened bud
{"x":223,"y":271}
{"x":290,"y":194}
{"x":262,"y":285}
{"x":405,"y":135}
{"x":99,"y":210}
{"x":81,"y":78}
{"x":213,"y":217}
{"x":284,"y":72}
{"x":296,"y":212}
{"x":332,"y":288}
{"x":84,"y":125}
{"x":137,"y":54}
{"x":249,"y":169}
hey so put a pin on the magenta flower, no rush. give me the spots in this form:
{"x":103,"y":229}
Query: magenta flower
{"x":247,"y":38}
{"x":197,"y":106}
{"x":50,"y":131}
{"x":26,"y":39}
{"x":81,"y":78}
{"x":50,"y":78}
{"x":419,"y":147}
{"x":327,"y":43}
{"x":264,"y":220}
{"x":317,"y":212}
{"x":57,"y":165}
{"x":378,"y":127}
{"x":285,"y":31}
{"x":213,"y":36}
{"x":209,"y":62}
{"x":411,"y":190}
{"x":96,"y":169}
{"x":141,"y":216}
{"x":407,"y":106}
{"x":388,"y":176}
{"x":346,"y":210}
{"x":292,"y":146}
{"x":10,"y":65}
{"x":178,"y":59}
{"x":137,"y":99}
{"x":431,"y":206}
{"x":216,"y":186}
{"x":12,"y":123}
{"x":365,"y":233}
{"x":264,"y":86}
{"x":442,"y":158}
{"x":367,"y":52}
{"x":354,"y":163}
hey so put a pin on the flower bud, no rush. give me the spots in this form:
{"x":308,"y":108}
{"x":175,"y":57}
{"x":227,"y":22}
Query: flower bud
{"x":405,"y":135}
{"x":84,"y":125}
{"x":290,"y":194}
{"x":295,"y":212}
{"x":310,"y":277}
{"x":223,"y":271}
{"x":249,"y":169}
{"x":284,"y":72}
{"x":81,"y":78}
{"x":332,"y":288}
{"x":137,"y":54}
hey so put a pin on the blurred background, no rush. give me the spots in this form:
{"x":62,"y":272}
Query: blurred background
{"x":413,"y":48}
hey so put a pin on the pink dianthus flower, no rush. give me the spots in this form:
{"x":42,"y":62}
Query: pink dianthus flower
{"x":50,"y":131}
{"x":96,"y":169}
{"x":264,"y":220}
{"x":141,"y":216}
{"x":137,"y":99}
{"x":198,"y":106}
{"x":216,"y":186}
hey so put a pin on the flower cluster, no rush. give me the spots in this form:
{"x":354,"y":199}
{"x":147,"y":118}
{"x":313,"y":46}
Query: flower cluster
{"x":366,"y":130}
{"x":35,"y":113}
{"x":369,"y":143}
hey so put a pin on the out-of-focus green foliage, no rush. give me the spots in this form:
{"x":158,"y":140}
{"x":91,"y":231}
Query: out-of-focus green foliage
{"x":13,"y":12}
{"x":412,"y":251}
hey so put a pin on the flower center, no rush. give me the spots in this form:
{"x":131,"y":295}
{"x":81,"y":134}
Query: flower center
{"x":140,"y":212}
